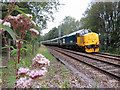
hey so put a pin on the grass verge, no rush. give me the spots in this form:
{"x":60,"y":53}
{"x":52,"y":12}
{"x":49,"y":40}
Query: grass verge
{"x":9,"y":72}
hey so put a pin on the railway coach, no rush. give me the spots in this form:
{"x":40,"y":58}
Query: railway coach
{"x":83,"y":40}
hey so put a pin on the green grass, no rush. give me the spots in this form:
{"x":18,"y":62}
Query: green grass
{"x":46,"y":53}
{"x":113,"y":51}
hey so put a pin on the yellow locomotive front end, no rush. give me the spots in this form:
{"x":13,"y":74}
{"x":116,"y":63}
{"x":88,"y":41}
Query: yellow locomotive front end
{"x":89,"y":41}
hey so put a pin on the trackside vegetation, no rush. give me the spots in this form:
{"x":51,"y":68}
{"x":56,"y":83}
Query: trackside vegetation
{"x":100,"y":17}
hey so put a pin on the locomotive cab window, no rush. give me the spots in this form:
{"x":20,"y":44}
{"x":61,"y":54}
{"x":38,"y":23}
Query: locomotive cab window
{"x":82,"y":33}
{"x":87,"y":31}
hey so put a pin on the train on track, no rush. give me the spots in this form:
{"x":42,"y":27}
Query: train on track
{"x":83,"y":40}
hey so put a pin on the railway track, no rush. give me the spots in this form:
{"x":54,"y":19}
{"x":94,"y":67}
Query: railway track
{"x":76,"y":70}
{"x":109,"y":68}
{"x":110,"y":56}
{"x":118,"y":56}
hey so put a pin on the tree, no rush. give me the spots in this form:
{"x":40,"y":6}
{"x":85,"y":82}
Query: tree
{"x":69,"y":25}
{"x":102,"y":17}
{"x":51,"y":34}
{"x":43,"y":11}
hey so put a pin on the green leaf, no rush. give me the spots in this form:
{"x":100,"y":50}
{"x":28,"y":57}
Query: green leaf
{"x":58,"y":81}
{"x":8,"y":47}
{"x":27,"y":76}
{"x":12,"y":47}
{"x":18,"y":65}
{"x":22,"y":13}
{"x":24,"y":62}
{"x":14,"y":51}
{"x":9,"y":30}
{"x":22,"y":8}
{"x":18,"y":76}
{"x":4,"y":47}
{"x":23,"y":49}
{"x":25,"y":40}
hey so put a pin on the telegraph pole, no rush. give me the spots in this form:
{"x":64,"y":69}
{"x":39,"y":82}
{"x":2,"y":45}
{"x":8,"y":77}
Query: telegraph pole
{"x":60,"y":30}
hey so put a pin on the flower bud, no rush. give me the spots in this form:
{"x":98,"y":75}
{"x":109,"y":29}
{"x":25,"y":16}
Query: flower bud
{"x":34,"y":31}
{"x":16,"y":6}
{"x":9,"y":6}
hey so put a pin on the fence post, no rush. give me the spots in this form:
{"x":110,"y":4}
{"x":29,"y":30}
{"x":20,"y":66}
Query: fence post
{"x":39,"y":44}
{"x":33,"y":48}
{"x":0,"y":52}
{"x":9,"y":43}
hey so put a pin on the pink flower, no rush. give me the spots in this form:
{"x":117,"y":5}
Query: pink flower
{"x":43,"y":68}
{"x":40,"y":56}
{"x":6,"y":24}
{"x":40,"y":59}
{"x":33,"y":23}
{"x":20,"y":22}
{"x":46,"y":61}
{"x":34,"y":31}
{"x":17,"y":42}
{"x":36,"y":59}
{"x":36,"y":73}
{"x":2,"y":29}
{"x":23,"y":70}
{"x":29,"y":15}
{"x":23,"y":82}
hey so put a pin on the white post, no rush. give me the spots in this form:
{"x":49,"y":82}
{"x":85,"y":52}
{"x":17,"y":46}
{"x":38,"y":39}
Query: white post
{"x":9,"y":49}
{"x":60,"y":30}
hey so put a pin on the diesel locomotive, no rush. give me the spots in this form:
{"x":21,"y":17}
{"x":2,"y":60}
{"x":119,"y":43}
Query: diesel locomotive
{"x":83,"y":40}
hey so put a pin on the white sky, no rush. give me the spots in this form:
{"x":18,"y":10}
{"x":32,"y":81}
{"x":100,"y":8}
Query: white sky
{"x":73,"y":8}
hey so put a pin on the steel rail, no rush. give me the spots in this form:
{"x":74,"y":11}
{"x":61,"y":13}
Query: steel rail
{"x":107,"y":57}
{"x":118,"y":56}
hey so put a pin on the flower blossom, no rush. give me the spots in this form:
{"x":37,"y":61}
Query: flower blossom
{"x":20,"y":22}
{"x":34,"y":31}
{"x":17,"y":42}
{"x":36,"y":59}
{"x":43,"y":68}
{"x":6,"y":24}
{"x":29,"y":15}
{"x":44,"y":61}
{"x":23,"y":82}
{"x":40,"y":59}
{"x":23,"y":70}
{"x":40,"y":55}
{"x":36,"y":73}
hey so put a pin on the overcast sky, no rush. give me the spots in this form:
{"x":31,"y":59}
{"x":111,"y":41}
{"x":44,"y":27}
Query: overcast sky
{"x":73,"y":8}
